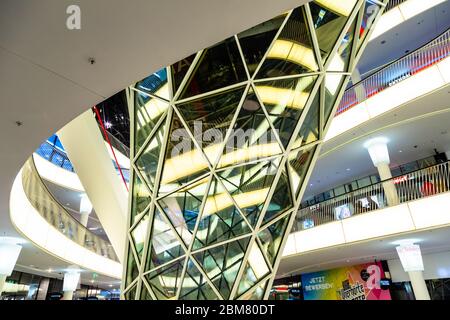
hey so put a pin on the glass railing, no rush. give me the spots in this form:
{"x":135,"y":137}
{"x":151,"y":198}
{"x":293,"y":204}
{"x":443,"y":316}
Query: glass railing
{"x":412,"y":186}
{"x":57,"y":216}
{"x":392,"y":4}
{"x":399,"y":70}
{"x":55,"y":156}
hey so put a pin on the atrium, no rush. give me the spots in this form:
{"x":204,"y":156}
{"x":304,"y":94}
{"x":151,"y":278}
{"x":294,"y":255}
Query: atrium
{"x":225,"y":150}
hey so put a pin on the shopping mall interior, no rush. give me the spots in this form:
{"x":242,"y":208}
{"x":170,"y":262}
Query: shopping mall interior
{"x":225,"y":150}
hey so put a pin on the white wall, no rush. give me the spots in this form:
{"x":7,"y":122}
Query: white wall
{"x":436,"y":266}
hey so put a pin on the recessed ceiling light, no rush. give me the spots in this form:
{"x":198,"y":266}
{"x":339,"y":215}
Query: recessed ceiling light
{"x":400,"y":151}
{"x":348,"y":169}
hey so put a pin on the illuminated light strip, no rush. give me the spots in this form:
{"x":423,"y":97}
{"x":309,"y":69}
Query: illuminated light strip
{"x":283,"y":97}
{"x":341,"y":7}
{"x":293,"y":52}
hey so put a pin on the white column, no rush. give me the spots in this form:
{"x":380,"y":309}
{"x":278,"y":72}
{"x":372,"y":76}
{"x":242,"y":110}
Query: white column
{"x":9,"y":253}
{"x":359,"y":90}
{"x":85,"y":211}
{"x":70,"y":284}
{"x":411,"y":259}
{"x":379,"y":154}
{"x":86,"y":149}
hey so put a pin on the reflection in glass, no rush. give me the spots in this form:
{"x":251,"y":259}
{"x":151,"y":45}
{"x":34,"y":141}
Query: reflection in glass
{"x":341,"y":60}
{"x":298,"y":163}
{"x":165,"y":281}
{"x":333,"y":82}
{"x":141,"y":194}
{"x":155,"y":84}
{"x":281,"y":199}
{"x":194,"y":286}
{"x":292,"y":52}
{"x":220,"y":65}
{"x":255,"y":269}
{"x":179,"y":70}
{"x":272,"y":236}
{"x":139,"y":235}
{"x":255,"y":41}
{"x":309,"y":131}
{"x":132,"y":268}
{"x":284,"y":101}
{"x":370,"y":12}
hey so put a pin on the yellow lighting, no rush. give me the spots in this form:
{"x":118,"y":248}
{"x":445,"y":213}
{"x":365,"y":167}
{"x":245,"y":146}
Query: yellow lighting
{"x":341,"y":7}
{"x":283,"y":97}
{"x":293,"y":52}
{"x":252,"y":152}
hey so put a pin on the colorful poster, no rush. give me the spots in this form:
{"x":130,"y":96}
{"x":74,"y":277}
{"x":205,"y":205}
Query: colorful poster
{"x":360,"y":282}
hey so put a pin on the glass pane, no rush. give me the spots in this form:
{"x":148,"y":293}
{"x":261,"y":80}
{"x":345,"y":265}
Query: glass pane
{"x":249,"y":185}
{"x":132,"y":268}
{"x":148,"y":111}
{"x":183,"y":207}
{"x":209,"y":119}
{"x":252,"y":136}
{"x":183,"y":161}
{"x":309,"y":131}
{"x":333,"y":82}
{"x":139,"y":235}
{"x":219,"y":66}
{"x":341,"y":59}
{"x":285,"y":100}
{"x":145,"y":295}
{"x":141,"y":197}
{"x":222,"y":264}
{"x":147,"y":163}
{"x":272,"y":236}
{"x":281,"y":199}
{"x":221,"y":220}
{"x":165,"y":281}
{"x":298,"y":164}
{"x":155,"y":84}
{"x":255,"y":41}
{"x":292,"y":53}
{"x":255,"y":269}
{"x":165,"y":245}
{"x":371,"y":10}
{"x":257,"y":294}
{"x":194,"y":285}
{"x":179,"y":70}
{"x":131,"y":294}
{"x":329,"y":18}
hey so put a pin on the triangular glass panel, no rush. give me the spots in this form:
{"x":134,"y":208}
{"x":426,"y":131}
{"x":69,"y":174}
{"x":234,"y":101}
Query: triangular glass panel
{"x":284,"y":100}
{"x":155,"y":84}
{"x":139,"y":235}
{"x":220,"y":65}
{"x":255,"y":269}
{"x":370,"y":12}
{"x":165,"y":245}
{"x":257,"y":294}
{"x":222,"y":263}
{"x":292,"y":52}
{"x":249,"y":185}
{"x":179,"y":70}
{"x":131,"y":293}
{"x":141,"y":198}
{"x":132,"y":268}
{"x":341,"y":59}
{"x":298,"y":163}
{"x":183,"y":207}
{"x":281,"y":199}
{"x":221,"y":220}
{"x":183,"y":161}
{"x":256,"y":41}
{"x":145,"y":294}
{"x":194,"y":286}
{"x":272,"y":236}
{"x":166,"y":280}
{"x":148,"y":111}
{"x":252,"y":136}
{"x":147,"y":163}
{"x":333,"y":84}
{"x":310,"y":128}
{"x":329,"y":18}
{"x":210,"y":118}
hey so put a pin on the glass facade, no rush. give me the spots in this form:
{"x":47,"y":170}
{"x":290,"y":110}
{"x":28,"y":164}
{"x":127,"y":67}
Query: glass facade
{"x":222,"y":146}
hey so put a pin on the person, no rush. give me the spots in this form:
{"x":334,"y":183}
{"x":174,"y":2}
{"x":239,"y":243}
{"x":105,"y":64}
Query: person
{"x":427,"y":189}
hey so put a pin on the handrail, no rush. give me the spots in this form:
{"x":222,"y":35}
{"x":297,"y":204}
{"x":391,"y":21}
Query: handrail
{"x":57,"y":216}
{"x":397,"y":71}
{"x":49,"y":152}
{"x":392,"y":4}
{"x":412,"y":186}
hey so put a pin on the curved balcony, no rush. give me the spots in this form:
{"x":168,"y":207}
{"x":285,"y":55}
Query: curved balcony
{"x":40,"y":218}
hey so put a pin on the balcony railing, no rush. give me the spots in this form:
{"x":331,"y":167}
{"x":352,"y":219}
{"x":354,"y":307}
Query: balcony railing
{"x":412,"y":186}
{"x":57,"y":216}
{"x":55,"y":156}
{"x":392,"y":4}
{"x":399,"y":70}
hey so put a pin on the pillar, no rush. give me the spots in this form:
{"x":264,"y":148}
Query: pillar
{"x":9,"y":253}
{"x":86,"y":149}
{"x":85,"y":211}
{"x":379,"y":154}
{"x":70,"y":284}
{"x":411,"y":259}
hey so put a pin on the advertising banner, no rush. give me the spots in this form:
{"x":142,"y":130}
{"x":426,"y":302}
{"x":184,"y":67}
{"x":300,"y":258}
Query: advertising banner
{"x":360,"y":282}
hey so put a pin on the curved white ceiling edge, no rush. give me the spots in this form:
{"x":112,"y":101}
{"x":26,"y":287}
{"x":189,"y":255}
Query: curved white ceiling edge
{"x":27,"y":220}
{"x":420,"y":84}
{"x":57,"y":175}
